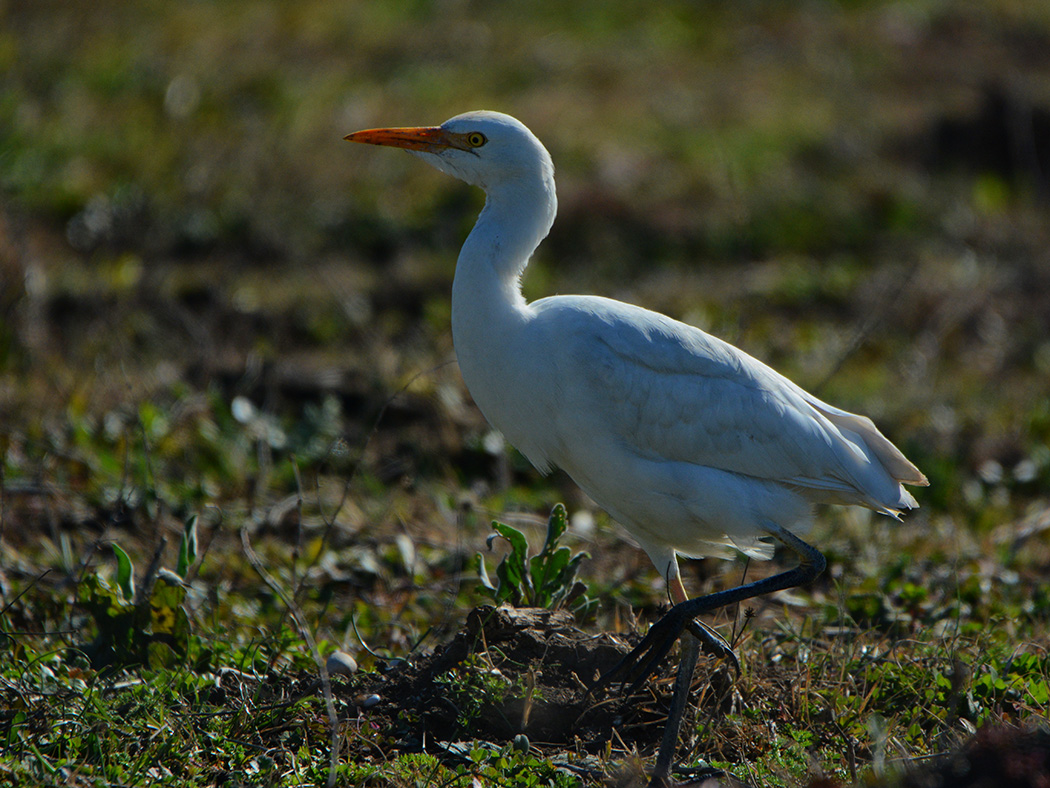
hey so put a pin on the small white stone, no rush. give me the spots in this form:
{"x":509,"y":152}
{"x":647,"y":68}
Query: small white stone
{"x":341,"y":663}
{"x":242,"y":409}
{"x":369,"y":701}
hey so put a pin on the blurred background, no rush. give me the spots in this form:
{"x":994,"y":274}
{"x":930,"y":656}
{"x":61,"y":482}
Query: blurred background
{"x":209,"y":299}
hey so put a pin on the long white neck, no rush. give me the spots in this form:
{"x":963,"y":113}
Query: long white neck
{"x":487,"y":304}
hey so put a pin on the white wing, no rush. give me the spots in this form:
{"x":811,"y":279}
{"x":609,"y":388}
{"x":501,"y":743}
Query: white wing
{"x":669,"y":391}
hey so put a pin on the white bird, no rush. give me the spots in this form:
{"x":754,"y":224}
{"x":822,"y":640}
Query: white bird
{"x":690,"y":443}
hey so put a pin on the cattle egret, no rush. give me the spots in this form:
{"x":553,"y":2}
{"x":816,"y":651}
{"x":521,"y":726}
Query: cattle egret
{"x":690,"y":443}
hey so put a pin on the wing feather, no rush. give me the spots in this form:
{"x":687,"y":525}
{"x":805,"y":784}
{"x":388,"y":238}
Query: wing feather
{"x":670,"y":391}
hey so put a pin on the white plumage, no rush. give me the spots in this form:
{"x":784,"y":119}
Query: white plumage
{"x":689,"y":442}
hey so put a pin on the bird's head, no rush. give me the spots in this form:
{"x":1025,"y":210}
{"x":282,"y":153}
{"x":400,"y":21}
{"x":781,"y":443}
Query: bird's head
{"x":486,"y":149}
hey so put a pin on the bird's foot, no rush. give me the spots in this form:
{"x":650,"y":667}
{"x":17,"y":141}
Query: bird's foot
{"x":643,"y":660}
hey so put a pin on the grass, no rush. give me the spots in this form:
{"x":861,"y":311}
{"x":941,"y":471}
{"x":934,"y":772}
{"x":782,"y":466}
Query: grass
{"x":212,"y":308}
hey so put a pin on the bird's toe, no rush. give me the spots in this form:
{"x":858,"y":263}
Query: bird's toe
{"x":714,"y":644}
{"x":642,"y":661}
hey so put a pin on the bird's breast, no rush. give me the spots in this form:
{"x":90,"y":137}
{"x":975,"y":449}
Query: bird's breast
{"x":509,"y":391}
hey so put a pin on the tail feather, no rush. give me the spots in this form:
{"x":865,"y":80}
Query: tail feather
{"x":893,"y":460}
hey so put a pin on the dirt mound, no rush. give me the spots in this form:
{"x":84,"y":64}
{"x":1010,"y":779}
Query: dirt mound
{"x":514,"y":671}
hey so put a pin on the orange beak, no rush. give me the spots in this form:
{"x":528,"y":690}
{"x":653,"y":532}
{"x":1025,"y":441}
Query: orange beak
{"x":424,"y":138}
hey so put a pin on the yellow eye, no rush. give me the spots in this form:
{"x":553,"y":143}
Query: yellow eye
{"x":476,"y":139}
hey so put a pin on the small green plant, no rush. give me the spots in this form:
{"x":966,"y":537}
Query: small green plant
{"x":546,"y":580}
{"x":148,"y":628}
{"x":474,"y":686}
{"x":1019,"y":681}
{"x":517,"y":767}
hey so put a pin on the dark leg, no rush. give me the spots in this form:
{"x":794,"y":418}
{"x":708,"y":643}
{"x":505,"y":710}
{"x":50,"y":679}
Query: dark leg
{"x":637,"y":666}
{"x":679,"y":701}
